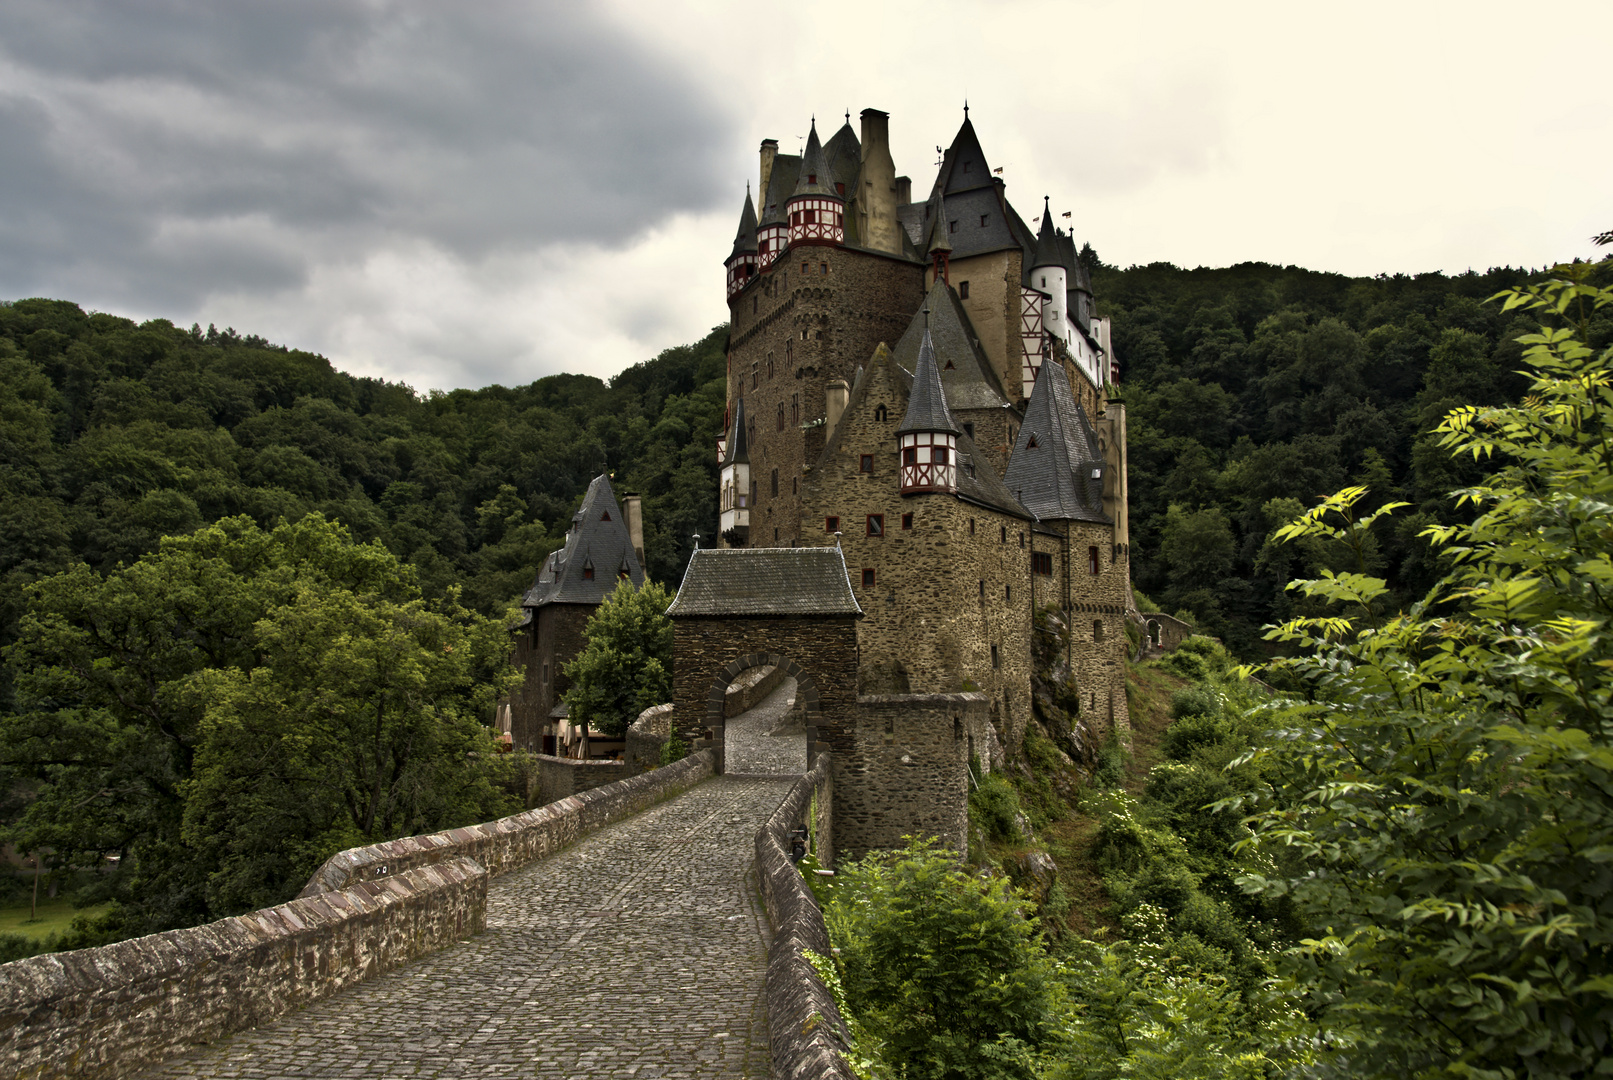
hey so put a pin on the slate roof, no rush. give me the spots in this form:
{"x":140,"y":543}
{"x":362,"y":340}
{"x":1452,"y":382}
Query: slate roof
{"x":745,"y":238}
{"x":844,"y":154}
{"x":765,"y":581}
{"x":780,"y":183}
{"x":1049,"y":251}
{"x":966,"y":374}
{"x":940,"y":229}
{"x":979,"y":483}
{"x":926,"y":401}
{"x":735,"y":451}
{"x":964,"y":166}
{"x":595,"y":542}
{"x":911,"y":217}
{"x":971,"y":237}
{"x":813,"y":165}
{"x":1055,"y":479}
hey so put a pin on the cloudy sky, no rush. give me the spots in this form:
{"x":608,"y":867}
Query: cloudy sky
{"x":457,"y":194}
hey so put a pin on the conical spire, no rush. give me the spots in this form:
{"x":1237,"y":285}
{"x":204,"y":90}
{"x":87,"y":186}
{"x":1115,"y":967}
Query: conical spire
{"x":745,"y":238}
{"x":927,"y":403}
{"x":736,"y":452}
{"x":815,"y":178}
{"x":940,"y":238}
{"x":1057,"y":467}
{"x":1047,"y":241}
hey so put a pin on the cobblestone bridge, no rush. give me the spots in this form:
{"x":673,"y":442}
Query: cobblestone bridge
{"x":639,"y":952}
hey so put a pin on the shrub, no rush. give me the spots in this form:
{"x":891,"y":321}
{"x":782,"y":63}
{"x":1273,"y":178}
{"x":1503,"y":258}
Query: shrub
{"x":994,"y":806}
{"x":1194,"y":701}
{"x":1185,"y":736}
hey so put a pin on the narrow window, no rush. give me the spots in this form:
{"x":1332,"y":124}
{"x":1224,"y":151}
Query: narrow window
{"x":795,"y":408}
{"x":907,"y":521}
{"x":831,"y":524}
{"x":939,"y":455}
{"x":963,"y":290}
{"x":868,"y":577}
{"x":982,"y":590}
{"x":806,"y":268}
{"x":866,"y":464}
{"x":1008,"y":593}
{"x":840,"y":189}
{"x":983,"y":219}
{"x":1092,"y":559}
{"x":588,"y":573}
{"x":952,"y":226}
{"x":881,"y":414}
{"x":1021,"y":540}
{"x":775,"y":483}
{"x":605,"y":516}
{"x":1003,"y":531}
{"x":775,"y":536}
{"x":753,"y":378}
{"x":769,"y":365}
{"x":795,"y":485}
{"x":971,"y":526}
{"x":876,"y":524}
{"x":910,"y":456}
{"x":996,"y":661}
{"x":1097,"y":630}
{"x":969,"y":429}
{"x":823,"y":268}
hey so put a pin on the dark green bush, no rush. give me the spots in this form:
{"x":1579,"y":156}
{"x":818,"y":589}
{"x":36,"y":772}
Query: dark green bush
{"x":994,"y":806}
{"x":1194,"y":701}
{"x":1191,"y":733}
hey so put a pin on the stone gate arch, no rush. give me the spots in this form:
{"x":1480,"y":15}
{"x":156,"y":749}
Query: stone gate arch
{"x":806,"y":689}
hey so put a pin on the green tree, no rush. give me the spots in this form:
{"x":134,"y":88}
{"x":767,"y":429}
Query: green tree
{"x":1450,"y":781}
{"x":626,"y":665}
{"x":128,"y":687}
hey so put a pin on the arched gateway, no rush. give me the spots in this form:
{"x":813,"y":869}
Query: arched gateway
{"x":791,"y":609}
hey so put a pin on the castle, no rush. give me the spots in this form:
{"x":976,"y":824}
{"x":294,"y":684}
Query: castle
{"x":970,"y":473}
{"x":892,"y":516}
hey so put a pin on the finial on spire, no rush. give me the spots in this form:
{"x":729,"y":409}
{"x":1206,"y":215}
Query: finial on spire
{"x":926,"y":316}
{"x":966,"y":108}
{"x":848,"y":116}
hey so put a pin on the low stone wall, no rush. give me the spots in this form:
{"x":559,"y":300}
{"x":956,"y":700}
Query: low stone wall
{"x":806,"y":1032}
{"x":1170,"y":631}
{"x":751,"y":689}
{"x":645,"y":738}
{"x":108,"y":1012}
{"x":561,"y":778}
{"x":512,"y":842}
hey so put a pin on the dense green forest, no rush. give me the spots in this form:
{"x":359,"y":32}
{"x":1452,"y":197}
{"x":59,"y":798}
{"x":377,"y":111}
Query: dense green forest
{"x":114,"y":434}
{"x":1254,"y":390}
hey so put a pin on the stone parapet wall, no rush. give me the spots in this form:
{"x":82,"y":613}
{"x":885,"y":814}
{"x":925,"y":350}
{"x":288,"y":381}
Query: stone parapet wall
{"x":510,"y":843}
{"x":805,"y":1029}
{"x":108,"y":1012}
{"x":561,"y":778}
{"x":751,"y":688}
{"x":645,"y":738}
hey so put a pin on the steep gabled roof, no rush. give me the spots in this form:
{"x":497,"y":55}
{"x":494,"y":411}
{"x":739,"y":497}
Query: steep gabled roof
{"x":926,"y":400}
{"x":597,"y":550}
{"x":940,"y":228}
{"x":844,"y":155}
{"x":765,"y":581}
{"x":966,"y":375}
{"x":814,"y":177}
{"x":979,"y":483}
{"x":780,"y":183}
{"x":1049,"y":252}
{"x":981,"y":223}
{"x":735,"y":452}
{"x":964,"y":167}
{"x":745,"y":238}
{"x":1057,"y":468}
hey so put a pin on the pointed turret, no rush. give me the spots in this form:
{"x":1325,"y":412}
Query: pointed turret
{"x":928,"y":437}
{"x":598,"y":537}
{"x":1057,"y":467}
{"x":940,"y":250}
{"x":1048,"y":275}
{"x":816,"y":209}
{"x":1047,"y":240}
{"x":742,"y":261}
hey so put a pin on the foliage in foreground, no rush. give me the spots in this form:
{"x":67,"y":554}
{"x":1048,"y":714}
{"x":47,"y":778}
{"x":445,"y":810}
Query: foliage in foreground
{"x":228,"y":712}
{"x":625,"y":666}
{"x":1450,"y":781}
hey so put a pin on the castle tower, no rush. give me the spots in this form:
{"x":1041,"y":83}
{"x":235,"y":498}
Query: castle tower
{"x":1049,"y":276}
{"x":734,"y":483}
{"x":742,"y":262}
{"x":927,"y":437}
{"x":816,"y":210}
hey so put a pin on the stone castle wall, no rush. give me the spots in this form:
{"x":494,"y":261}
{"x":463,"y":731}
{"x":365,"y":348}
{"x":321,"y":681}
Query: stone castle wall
{"x":553,"y":639}
{"x":1097,"y":607}
{"x":793,"y":333}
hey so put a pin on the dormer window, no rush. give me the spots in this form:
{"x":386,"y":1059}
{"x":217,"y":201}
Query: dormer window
{"x":1032,"y":444}
{"x":605,"y":516}
{"x":588,"y":571}
{"x":840,"y":189}
{"x":812,"y":178}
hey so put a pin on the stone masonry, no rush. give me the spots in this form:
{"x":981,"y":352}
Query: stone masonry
{"x":641,"y":951}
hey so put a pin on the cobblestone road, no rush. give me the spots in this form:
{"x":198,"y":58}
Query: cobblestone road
{"x":767,"y":739}
{"x":639,"y":952}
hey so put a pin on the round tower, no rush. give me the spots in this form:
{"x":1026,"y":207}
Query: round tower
{"x":1049,"y":276}
{"x":816,"y":212}
{"x":928,"y":439}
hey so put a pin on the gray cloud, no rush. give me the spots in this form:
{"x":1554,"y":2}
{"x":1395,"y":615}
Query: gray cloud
{"x":158,"y":153}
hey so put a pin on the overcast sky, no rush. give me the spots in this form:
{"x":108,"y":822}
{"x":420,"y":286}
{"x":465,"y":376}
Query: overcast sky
{"x":461,"y":194}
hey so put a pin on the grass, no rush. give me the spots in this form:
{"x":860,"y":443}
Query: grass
{"x":1148,"y":696}
{"x":55,"y":916}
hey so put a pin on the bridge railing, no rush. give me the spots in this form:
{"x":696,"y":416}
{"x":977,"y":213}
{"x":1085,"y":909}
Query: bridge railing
{"x":805,"y":1029}
{"x":109,"y":1012}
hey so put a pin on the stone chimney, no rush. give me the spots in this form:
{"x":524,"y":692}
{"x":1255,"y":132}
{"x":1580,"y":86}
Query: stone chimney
{"x":834,"y":406}
{"x":876,"y":186}
{"x":633,"y":507}
{"x":904,"y":190}
{"x":769,"y":152}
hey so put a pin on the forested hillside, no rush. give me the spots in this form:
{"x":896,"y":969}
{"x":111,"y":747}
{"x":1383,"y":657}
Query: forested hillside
{"x":1253,"y":390}
{"x":113,"y":434}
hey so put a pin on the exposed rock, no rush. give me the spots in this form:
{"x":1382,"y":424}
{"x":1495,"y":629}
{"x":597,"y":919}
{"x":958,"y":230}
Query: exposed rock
{"x":1035,"y":872}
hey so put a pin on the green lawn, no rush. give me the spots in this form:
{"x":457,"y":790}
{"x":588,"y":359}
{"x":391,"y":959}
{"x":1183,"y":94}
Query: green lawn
{"x":54,"y":917}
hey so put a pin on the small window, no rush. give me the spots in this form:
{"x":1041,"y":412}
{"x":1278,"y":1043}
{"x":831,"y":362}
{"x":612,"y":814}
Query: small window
{"x":823,"y":268}
{"x":769,"y":365}
{"x":969,"y":429}
{"x":876,"y":524}
{"x":1003,"y":533}
{"x":971,"y":526}
{"x":868,"y":577}
{"x":588,"y":573}
{"x":806,"y":268}
{"x":881,"y":414}
{"x":983,"y":219}
{"x":938,"y":455}
{"x":1042,"y":562}
{"x":840,"y":189}
{"x":1097,"y":630}
{"x":952,"y":226}
{"x":866,"y":464}
{"x":963,"y":290}
{"x":1008,"y":593}
{"x":910,"y":456}
{"x":781,"y":416}
{"x":1031,"y":445}
{"x":605,"y":516}
{"x":1092,"y":560}
{"x":1022,"y":540}
{"x":775,"y":536}
{"x":996,"y":661}
{"x":907,"y":521}
{"x":831,"y":524}
{"x":982,"y":590}
{"x":795,"y":485}
{"x":775,"y":483}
